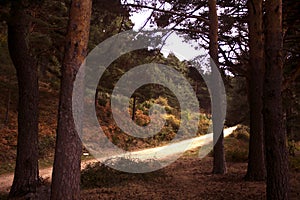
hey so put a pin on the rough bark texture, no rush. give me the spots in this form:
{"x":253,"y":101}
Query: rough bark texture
{"x":275,"y":139}
{"x":26,"y":170}
{"x":66,"y":169}
{"x":219,"y":166}
{"x":256,"y":161}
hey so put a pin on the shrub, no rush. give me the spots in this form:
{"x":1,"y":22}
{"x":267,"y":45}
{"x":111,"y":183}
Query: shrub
{"x":204,"y":124}
{"x":100,"y":175}
{"x":241,"y":133}
{"x":173,"y":122}
{"x":236,"y":150}
{"x":162,"y":101}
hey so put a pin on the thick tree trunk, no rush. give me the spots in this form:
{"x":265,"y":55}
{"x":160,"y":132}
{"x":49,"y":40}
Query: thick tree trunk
{"x":275,"y":138}
{"x":26,"y":171}
{"x":66,"y":169}
{"x":219,"y":166}
{"x":256,"y":161}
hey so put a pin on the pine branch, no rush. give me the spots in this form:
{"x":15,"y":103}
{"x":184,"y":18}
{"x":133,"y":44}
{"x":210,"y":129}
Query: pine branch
{"x":168,"y":12}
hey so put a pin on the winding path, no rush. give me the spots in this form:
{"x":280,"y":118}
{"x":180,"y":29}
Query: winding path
{"x":162,"y":152}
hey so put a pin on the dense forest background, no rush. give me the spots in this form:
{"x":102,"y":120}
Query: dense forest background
{"x":255,"y":44}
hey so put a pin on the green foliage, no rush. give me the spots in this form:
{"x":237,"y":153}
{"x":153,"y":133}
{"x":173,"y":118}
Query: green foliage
{"x":145,"y":106}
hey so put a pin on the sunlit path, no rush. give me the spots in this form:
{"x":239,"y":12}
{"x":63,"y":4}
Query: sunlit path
{"x":157,"y":152}
{"x":174,"y":148}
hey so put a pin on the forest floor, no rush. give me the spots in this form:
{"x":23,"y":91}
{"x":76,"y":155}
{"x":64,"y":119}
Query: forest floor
{"x":190,"y":178}
{"x":187,"y":178}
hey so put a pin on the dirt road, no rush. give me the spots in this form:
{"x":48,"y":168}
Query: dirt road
{"x":157,"y":152}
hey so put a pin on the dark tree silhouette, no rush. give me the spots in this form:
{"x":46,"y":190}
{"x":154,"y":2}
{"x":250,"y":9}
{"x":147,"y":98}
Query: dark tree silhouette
{"x":256,"y":161}
{"x":26,"y":171}
{"x":275,"y":138}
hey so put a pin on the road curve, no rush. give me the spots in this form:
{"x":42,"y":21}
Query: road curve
{"x":157,"y":152}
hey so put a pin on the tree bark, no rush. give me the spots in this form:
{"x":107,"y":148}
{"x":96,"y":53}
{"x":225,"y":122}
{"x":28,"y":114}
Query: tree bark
{"x":66,"y":169}
{"x":256,"y":159}
{"x":275,"y":138}
{"x":26,"y":176}
{"x":219,"y":166}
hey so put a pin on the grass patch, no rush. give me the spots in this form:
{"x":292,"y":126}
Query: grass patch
{"x":100,"y":175}
{"x":237,"y":145}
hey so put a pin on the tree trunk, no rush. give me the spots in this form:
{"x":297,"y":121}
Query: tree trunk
{"x":133,"y":108}
{"x":26,"y":171}
{"x":256,"y":161}
{"x":219,"y":166}
{"x":275,"y":138}
{"x":66,"y":169}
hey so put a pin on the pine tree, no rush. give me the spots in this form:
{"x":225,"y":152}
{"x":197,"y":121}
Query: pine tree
{"x":66,"y":168}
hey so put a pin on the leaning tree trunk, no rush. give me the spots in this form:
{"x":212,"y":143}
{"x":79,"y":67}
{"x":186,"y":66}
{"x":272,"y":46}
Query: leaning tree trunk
{"x":219,"y":166}
{"x":66,"y":169}
{"x":275,"y":138}
{"x":256,"y":161}
{"x":26,"y":171}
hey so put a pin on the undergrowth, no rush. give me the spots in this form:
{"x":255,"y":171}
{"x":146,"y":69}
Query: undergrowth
{"x":100,"y":175}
